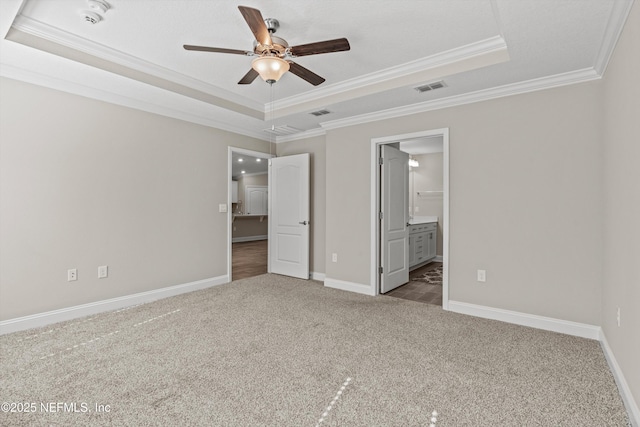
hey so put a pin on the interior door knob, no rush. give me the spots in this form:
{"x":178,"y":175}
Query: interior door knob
{"x":303,"y":223}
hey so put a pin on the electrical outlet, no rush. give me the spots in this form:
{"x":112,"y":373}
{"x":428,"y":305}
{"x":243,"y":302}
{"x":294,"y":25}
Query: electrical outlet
{"x":618,"y":317}
{"x":72,"y":275}
{"x":482,"y":275}
{"x":334,"y":257}
{"x":222,"y":207}
{"x":103,"y":271}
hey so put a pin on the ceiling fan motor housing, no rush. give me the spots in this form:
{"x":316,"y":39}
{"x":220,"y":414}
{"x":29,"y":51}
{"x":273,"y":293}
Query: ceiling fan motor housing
{"x":278,"y":47}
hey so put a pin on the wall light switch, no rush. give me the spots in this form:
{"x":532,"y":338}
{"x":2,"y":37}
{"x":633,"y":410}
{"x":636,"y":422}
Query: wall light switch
{"x":103,"y":271}
{"x":222,"y":207}
{"x":334,"y":257}
{"x":482,"y":275}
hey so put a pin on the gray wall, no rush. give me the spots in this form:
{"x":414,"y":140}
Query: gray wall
{"x":525,"y":200}
{"x":622,"y":202}
{"x":316,"y":147}
{"x":84,"y":183}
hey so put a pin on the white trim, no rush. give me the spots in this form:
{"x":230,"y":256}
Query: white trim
{"x":317,"y":276}
{"x":359,"y":288}
{"x":445,"y":218}
{"x":625,"y":392}
{"x":438,"y":258}
{"x":69,"y":313}
{"x":68,"y":40}
{"x":524,"y":319}
{"x":441,"y":59}
{"x":533,"y":85}
{"x":250,"y":238}
{"x":615,"y":24}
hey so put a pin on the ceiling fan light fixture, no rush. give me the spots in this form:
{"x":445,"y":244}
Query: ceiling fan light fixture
{"x":270,"y":68}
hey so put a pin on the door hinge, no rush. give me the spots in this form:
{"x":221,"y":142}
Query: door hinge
{"x":380,"y":215}
{"x":380,"y":161}
{"x":381,"y":269}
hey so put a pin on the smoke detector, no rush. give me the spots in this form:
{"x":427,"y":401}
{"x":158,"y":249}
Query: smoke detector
{"x":90,"y":17}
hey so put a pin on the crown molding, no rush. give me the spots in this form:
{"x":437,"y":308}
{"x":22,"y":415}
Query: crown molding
{"x":439,"y":59}
{"x":28,"y":76}
{"x":615,"y":24}
{"x":564,"y":79}
{"x":475,"y":55}
{"x":45,"y":37}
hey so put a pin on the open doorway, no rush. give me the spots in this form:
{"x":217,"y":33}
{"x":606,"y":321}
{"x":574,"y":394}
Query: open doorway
{"x":427,"y":227}
{"x":248,"y":213}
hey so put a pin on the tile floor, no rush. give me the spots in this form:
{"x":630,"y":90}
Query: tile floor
{"x":419,"y":291}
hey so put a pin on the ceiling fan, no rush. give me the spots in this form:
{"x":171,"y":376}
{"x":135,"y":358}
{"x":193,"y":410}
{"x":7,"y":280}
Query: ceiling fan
{"x":274,"y":55}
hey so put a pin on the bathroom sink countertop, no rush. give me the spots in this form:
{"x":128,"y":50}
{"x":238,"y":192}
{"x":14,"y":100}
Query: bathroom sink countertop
{"x":423,"y":219}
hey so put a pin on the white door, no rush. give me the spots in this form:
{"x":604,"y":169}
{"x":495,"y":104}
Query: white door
{"x":394,"y":202}
{"x":289,"y":215}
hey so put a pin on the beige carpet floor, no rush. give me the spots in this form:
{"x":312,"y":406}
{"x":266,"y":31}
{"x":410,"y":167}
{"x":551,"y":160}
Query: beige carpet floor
{"x":276,"y":351}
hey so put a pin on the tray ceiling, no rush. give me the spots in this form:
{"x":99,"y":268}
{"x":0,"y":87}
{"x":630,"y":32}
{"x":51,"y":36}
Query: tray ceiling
{"x":134,"y":55}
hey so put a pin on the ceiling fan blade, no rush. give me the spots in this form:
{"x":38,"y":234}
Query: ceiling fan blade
{"x":256,"y":23}
{"x":217,"y":50}
{"x":305,"y":74}
{"x":328,"y":46}
{"x":249,"y":77}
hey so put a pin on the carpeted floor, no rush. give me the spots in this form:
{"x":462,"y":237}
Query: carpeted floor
{"x":277,"y":351}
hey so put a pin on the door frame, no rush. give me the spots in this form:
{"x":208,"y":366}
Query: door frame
{"x":230,"y":152}
{"x":376,"y":204}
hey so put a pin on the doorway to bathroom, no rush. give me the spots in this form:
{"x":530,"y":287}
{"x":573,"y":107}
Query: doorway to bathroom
{"x":411,"y":254}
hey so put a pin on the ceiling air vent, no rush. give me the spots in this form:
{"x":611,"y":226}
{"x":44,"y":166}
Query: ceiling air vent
{"x":320,"y":112}
{"x":283,"y":130}
{"x":431,"y":86}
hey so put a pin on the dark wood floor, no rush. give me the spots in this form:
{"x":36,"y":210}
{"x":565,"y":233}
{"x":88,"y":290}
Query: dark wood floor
{"x":248,"y":259}
{"x":420,"y":291}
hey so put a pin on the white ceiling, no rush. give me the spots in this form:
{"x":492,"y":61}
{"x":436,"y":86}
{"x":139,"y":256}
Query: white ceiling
{"x":134,"y":56}
{"x":245,"y":164}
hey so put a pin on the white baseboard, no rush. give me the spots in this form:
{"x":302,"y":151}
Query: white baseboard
{"x":625,"y":392}
{"x":249,"y":238}
{"x":317,"y":276}
{"x":349,"y":286}
{"x":69,"y":313}
{"x":438,"y":258}
{"x":540,"y":322}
